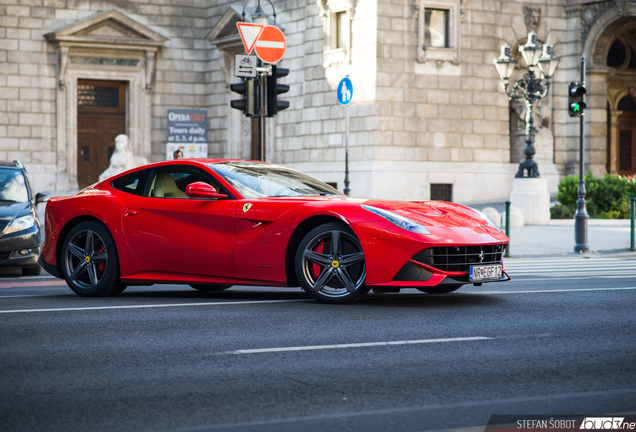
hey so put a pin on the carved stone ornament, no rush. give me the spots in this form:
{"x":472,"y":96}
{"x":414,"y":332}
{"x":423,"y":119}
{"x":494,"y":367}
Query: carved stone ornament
{"x":532,"y":17}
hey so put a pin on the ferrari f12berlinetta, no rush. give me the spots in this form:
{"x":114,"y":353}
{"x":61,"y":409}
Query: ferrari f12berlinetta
{"x":217,"y":223}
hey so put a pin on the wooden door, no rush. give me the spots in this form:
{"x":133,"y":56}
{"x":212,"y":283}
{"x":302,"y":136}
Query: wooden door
{"x":101,"y":116}
{"x":626,"y":136}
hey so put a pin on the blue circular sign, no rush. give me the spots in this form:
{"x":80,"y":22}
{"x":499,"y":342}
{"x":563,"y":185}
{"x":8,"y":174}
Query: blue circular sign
{"x":345,"y":91}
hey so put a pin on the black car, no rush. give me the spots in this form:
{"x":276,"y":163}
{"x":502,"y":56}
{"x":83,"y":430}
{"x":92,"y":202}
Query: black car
{"x":19,"y":223}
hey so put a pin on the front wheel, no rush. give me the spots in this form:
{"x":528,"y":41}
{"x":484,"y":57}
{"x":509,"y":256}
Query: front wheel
{"x":440,"y":289}
{"x":330,"y":264}
{"x":90,"y":264}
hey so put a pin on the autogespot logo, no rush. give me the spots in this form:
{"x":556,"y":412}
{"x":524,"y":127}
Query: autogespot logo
{"x":604,"y":423}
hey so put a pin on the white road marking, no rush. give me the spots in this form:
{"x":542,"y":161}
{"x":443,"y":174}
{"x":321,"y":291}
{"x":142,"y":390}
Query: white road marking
{"x":355,"y":345}
{"x":552,"y":291}
{"x":150,"y":306}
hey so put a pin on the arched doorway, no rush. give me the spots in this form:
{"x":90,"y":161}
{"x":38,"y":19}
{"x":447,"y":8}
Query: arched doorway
{"x":611,"y":47}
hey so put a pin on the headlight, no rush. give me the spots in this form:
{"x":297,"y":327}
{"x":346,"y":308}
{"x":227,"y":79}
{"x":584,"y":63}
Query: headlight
{"x":488,"y":220}
{"x":20,"y":224}
{"x":395,"y":219}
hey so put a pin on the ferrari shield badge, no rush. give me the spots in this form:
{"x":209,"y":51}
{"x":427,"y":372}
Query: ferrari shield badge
{"x":246,"y":207}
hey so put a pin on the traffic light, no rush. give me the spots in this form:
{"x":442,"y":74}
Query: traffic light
{"x":247,"y":89}
{"x":576,"y":94}
{"x":274,"y":89}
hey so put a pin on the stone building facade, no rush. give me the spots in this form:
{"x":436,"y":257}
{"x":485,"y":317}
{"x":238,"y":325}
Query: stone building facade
{"x":428,"y":115}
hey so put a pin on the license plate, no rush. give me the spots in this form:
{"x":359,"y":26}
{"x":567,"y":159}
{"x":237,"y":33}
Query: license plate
{"x":489,"y":272}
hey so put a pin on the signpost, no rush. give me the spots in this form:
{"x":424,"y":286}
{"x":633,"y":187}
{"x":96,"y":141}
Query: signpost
{"x":249,"y":34}
{"x":344,"y":93}
{"x":269,"y":44}
{"x":187,"y":131}
{"x":245,"y":65}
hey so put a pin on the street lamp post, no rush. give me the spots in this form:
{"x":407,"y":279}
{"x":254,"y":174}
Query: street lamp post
{"x":532,"y":87}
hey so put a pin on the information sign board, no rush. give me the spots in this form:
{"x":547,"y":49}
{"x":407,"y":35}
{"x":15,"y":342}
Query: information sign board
{"x":244,"y":65}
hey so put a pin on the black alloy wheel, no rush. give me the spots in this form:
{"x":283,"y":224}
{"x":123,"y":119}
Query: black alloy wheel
{"x":440,"y":289}
{"x":330,"y":264}
{"x":90,"y":264}
{"x":210,"y":288}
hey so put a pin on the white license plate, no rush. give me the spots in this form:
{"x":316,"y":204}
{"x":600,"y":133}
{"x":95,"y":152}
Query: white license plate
{"x":489,"y":272}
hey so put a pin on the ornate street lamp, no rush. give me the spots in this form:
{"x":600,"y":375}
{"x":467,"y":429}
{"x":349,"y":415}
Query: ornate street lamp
{"x":532,"y":87}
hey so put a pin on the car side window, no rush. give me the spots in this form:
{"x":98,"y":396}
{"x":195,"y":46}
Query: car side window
{"x":133,"y":183}
{"x":172,"y":182}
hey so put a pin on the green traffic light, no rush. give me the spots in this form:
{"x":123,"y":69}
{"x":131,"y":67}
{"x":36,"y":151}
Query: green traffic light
{"x":577,"y":108}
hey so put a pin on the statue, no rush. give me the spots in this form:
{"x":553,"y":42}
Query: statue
{"x":122,"y":158}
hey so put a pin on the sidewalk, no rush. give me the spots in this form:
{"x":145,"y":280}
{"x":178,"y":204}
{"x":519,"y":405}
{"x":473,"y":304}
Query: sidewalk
{"x":603,"y":237}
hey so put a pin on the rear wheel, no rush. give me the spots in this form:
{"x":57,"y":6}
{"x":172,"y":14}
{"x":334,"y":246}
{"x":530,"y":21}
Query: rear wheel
{"x":90,"y":264}
{"x":32,"y":271}
{"x":330,"y":264}
{"x":440,"y":289}
{"x":203,"y":287}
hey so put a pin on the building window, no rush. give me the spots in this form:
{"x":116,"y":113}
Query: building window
{"x":336,"y":19}
{"x":441,"y":192}
{"x":342,"y":29}
{"x":436,"y":28}
{"x":438,"y":31}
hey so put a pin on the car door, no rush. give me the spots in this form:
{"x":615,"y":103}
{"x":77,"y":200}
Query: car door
{"x":167,"y":232}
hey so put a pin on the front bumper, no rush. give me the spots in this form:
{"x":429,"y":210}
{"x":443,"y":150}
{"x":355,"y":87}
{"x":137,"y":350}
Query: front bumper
{"x":20,"y":249}
{"x":394,"y":256}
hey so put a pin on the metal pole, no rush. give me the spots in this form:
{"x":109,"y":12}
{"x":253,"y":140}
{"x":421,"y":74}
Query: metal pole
{"x":507,"y":228}
{"x":581,"y":216}
{"x":632,"y":233}
{"x":262,"y":112}
{"x":346,"y":180}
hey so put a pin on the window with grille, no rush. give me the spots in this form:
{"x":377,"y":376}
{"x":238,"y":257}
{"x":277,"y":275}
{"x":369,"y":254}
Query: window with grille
{"x":96,"y":96}
{"x":441,"y":192}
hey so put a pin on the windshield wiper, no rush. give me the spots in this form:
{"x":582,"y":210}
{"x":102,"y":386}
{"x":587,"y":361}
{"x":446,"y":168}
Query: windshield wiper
{"x":6,"y":200}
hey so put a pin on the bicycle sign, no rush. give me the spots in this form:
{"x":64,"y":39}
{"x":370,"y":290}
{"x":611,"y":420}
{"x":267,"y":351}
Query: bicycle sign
{"x":244,"y":65}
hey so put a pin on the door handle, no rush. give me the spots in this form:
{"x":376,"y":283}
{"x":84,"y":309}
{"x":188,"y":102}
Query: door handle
{"x":130,"y":212}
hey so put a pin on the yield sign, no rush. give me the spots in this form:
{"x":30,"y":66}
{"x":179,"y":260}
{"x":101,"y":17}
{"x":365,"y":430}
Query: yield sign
{"x":271,"y":45}
{"x":249,"y":34}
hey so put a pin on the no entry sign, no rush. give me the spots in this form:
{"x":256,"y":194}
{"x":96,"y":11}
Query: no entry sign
{"x":271,"y":45}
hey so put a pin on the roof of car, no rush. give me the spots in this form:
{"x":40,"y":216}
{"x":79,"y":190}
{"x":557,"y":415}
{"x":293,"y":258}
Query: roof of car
{"x":8,"y":164}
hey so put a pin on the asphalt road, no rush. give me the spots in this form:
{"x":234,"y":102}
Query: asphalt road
{"x":559,"y":339}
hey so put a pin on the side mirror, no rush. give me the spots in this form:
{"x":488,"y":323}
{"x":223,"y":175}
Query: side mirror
{"x":41,"y":197}
{"x":203,"y":190}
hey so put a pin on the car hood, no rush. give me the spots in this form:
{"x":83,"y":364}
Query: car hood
{"x":437,"y":214}
{"x":9,"y":210}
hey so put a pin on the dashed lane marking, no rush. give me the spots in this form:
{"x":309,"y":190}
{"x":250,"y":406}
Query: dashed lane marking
{"x":355,"y":345}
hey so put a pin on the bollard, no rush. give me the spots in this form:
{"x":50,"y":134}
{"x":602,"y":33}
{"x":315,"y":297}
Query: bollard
{"x":507,"y":253}
{"x":632,"y":215}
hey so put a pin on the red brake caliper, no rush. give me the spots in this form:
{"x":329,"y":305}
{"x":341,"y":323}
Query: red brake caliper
{"x":315,"y":268}
{"x":102,"y":265}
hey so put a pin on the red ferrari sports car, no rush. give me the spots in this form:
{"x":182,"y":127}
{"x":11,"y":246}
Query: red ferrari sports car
{"x":216,"y":223}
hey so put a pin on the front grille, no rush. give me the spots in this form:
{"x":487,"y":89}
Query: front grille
{"x":4,"y":255}
{"x":459,"y":258}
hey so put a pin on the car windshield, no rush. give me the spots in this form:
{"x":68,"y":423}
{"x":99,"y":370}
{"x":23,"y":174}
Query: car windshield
{"x":12,"y":187}
{"x":259,"y":180}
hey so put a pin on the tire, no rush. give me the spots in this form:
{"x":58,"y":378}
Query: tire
{"x":32,"y":271}
{"x":336,"y":276}
{"x":89,"y":261}
{"x":440,"y":289}
{"x":210,"y":288}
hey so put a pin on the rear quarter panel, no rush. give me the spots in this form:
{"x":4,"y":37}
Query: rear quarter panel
{"x":106,"y":206}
